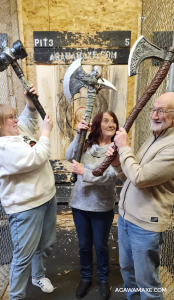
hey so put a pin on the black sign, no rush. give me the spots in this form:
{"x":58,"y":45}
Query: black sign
{"x":68,"y":55}
{"x":3,"y":41}
{"x":56,"y":39}
{"x":59,"y":47}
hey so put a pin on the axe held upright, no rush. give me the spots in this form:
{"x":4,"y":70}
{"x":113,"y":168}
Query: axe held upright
{"x":141,"y":50}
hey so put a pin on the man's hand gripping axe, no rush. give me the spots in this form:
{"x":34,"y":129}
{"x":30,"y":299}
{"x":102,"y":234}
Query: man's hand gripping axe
{"x":141,"y":50}
{"x":9,"y":57}
{"x":75,"y":78}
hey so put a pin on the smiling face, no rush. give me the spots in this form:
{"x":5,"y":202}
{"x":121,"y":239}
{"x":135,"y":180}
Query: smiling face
{"x":108,"y":126}
{"x":8,"y":122}
{"x":160,"y":122}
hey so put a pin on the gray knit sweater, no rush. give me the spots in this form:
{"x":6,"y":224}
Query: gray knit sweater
{"x":92,"y":193}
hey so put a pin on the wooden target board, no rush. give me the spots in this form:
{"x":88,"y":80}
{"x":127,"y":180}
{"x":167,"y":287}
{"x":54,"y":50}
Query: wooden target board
{"x":66,"y":116}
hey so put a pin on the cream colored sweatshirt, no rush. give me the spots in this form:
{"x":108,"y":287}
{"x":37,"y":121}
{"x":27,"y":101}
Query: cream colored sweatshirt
{"x":27,"y":179}
{"x":148,"y":193}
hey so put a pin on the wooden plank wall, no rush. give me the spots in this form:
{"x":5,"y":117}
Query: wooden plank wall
{"x":74,"y":16}
{"x":65,"y":116}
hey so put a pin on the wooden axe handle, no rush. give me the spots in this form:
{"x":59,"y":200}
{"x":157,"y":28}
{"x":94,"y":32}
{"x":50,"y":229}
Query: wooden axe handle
{"x":158,"y":79}
{"x":79,"y":153}
{"x":26,"y":86}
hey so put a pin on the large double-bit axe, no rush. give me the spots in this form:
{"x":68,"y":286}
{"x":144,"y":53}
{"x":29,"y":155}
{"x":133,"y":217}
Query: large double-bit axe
{"x":75,"y":78}
{"x":141,"y":50}
{"x":8,"y":57}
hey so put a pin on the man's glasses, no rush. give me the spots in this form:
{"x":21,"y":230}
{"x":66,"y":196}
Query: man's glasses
{"x":161,"y":112}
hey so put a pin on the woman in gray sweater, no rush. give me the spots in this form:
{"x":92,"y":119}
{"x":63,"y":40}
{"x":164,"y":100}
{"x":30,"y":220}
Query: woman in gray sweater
{"x":93,"y":199}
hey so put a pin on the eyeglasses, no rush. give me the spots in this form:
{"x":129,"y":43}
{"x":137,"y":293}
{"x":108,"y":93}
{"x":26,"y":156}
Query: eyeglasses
{"x":159,"y":111}
{"x":12,"y":117}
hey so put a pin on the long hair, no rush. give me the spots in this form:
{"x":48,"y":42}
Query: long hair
{"x":96,"y":131}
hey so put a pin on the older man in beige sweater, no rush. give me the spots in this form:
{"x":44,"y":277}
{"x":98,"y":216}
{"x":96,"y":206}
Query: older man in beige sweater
{"x":145,"y":201}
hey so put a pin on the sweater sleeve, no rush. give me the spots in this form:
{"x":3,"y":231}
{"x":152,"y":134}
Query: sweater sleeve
{"x":120,"y":173}
{"x":19,"y":157}
{"x":109,"y":177}
{"x":159,"y":170}
{"x":28,"y":120}
{"x":73,"y":147}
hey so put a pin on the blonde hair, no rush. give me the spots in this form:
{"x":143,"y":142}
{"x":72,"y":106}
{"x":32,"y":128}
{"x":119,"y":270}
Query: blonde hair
{"x":5,"y":111}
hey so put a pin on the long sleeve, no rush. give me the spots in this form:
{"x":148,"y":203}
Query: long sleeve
{"x":28,"y":120}
{"x":109,"y":177}
{"x":155,"y":172}
{"x":120,"y":173}
{"x":73,"y":147}
{"x":19,"y":157}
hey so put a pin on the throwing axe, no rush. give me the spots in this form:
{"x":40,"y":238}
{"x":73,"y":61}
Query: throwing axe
{"x":141,"y":50}
{"x":75,"y":78}
{"x":8,"y":57}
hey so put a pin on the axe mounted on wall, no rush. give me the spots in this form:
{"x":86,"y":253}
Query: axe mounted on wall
{"x":141,"y":50}
{"x":9,"y":57}
{"x":75,"y":78}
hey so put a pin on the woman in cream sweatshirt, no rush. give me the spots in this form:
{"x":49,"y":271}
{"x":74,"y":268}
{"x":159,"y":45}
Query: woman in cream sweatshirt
{"x":27,"y":195}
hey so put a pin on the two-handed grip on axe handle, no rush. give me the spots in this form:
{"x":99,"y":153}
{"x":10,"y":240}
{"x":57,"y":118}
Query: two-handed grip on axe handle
{"x":26,"y":86}
{"x":79,"y":153}
{"x":159,"y":77}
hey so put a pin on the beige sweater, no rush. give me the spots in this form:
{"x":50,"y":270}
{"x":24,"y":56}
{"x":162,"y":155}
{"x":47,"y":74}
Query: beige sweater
{"x":148,"y":193}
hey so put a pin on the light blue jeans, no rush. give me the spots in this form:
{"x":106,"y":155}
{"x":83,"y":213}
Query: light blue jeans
{"x":139,"y":257}
{"x":33,"y":235}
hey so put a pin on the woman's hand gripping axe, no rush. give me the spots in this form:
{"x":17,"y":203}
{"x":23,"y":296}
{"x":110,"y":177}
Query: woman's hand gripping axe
{"x":141,"y":50}
{"x":75,"y":78}
{"x":9,"y":57}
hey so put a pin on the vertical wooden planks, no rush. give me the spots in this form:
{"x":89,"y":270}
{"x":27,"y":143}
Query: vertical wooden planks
{"x":66,"y":116}
{"x":46,"y":84}
{"x":118,"y":101}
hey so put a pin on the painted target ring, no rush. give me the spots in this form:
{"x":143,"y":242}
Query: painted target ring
{"x":66,"y":116}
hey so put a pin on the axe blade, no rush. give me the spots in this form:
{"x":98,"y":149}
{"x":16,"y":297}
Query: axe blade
{"x":141,"y":50}
{"x":71,"y":82}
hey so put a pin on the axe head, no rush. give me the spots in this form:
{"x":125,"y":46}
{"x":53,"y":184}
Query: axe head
{"x":71,"y":82}
{"x":75,"y":78}
{"x":141,"y":50}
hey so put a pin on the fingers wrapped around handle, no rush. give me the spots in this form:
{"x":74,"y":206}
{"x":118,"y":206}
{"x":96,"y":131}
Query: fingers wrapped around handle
{"x":105,"y":164}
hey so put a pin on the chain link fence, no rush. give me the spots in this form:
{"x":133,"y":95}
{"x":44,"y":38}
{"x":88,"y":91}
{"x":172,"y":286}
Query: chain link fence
{"x":157,"y":27}
{"x":11,"y":92}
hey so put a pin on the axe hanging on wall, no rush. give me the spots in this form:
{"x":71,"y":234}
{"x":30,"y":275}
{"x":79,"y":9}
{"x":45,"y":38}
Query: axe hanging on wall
{"x":75,"y":78}
{"x":141,"y":50}
{"x":9,"y":57}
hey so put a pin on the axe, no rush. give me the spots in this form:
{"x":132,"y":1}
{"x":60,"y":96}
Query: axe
{"x":8,"y":57}
{"x":75,"y":78}
{"x":141,"y":50}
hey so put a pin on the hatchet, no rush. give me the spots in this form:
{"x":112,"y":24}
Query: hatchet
{"x":141,"y":50}
{"x":75,"y":78}
{"x":8,"y":57}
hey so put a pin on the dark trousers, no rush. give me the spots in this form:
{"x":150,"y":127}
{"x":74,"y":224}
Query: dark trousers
{"x":93,"y":226}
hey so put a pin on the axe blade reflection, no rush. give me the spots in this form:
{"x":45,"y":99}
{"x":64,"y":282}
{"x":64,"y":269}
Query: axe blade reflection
{"x":66,"y":81}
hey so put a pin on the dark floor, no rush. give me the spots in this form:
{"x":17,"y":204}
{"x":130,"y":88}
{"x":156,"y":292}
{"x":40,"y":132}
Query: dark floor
{"x":63,"y":270}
